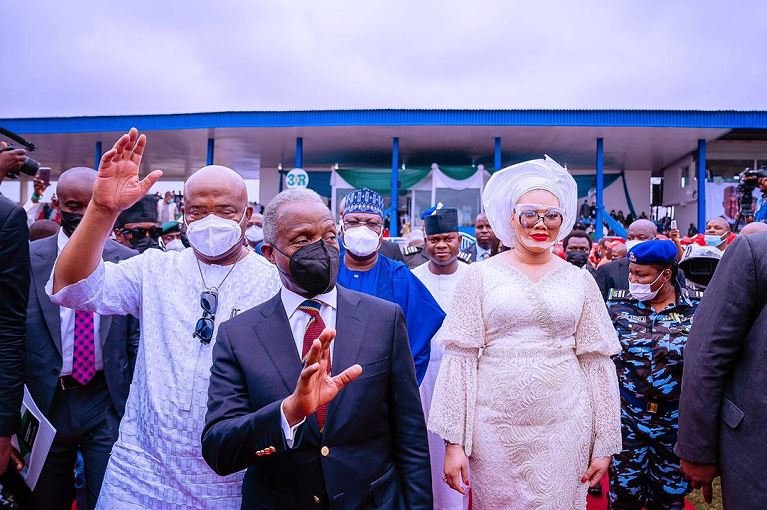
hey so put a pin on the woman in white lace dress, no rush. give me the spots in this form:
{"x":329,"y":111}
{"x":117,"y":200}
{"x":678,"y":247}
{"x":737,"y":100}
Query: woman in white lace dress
{"x":527,"y":394}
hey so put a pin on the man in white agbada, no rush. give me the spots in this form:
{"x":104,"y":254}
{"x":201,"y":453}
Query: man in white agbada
{"x":440,"y":275}
{"x":180,"y":299}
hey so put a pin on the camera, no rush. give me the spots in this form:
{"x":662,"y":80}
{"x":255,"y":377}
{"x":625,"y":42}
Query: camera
{"x":748,"y":182}
{"x":30,"y":166}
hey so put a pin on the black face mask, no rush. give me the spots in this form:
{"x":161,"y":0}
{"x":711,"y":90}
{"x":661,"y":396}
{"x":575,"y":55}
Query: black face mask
{"x":143,"y":244}
{"x":577,"y":258}
{"x":314,"y":267}
{"x":69,"y":222}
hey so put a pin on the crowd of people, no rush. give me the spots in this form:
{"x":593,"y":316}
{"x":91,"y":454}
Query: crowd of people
{"x":194,"y":351}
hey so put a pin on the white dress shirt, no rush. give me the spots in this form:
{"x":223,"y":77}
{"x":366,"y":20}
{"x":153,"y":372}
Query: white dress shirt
{"x":299,"y":320}
{"x":481,"y":253}
{"x":67,"y":316}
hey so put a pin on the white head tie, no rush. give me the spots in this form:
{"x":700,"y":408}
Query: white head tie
{"x":506,"y":186}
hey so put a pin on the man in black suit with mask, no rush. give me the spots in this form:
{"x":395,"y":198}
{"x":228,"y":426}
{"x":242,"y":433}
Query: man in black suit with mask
{"x":320,"y":419}
{"x":14,"y":289}
{"x":79,"y":364}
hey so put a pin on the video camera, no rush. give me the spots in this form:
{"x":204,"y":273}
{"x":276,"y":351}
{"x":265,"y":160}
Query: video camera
{"x":748,"y":182}
{"x":30,"y":166}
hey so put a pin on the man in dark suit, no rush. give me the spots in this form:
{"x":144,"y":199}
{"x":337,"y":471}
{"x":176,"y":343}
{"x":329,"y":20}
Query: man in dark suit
{"x":310,"y":436}
{"x":722,"y":411}
{"x":14,"y":290}
{"x":486,"y":240}
{"x":85,"y":406}
{"x":615,"y":274}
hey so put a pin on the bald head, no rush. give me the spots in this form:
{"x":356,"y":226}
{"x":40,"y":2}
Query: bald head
{"x":642,"y":230}
{"x":76,"y":181}
{"x":753,"y":228}
{"x":217,"y":180}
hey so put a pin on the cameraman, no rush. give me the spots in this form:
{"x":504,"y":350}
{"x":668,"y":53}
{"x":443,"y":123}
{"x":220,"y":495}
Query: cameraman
{"x":761,"y":204}
{"x":14,"y":289}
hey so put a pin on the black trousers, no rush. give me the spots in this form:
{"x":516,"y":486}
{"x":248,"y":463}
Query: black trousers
{"x":85,"y":419}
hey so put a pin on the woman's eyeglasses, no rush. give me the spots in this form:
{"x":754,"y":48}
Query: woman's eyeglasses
{"x":204,"y":327}
{"x":529,"y":218}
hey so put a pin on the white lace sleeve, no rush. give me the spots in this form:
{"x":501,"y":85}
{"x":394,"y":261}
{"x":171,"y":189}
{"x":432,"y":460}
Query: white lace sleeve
{"x":595,"y":342}
{"x":462,"y":334}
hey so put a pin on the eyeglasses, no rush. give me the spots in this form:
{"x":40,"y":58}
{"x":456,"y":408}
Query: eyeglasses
{"x":141,"y":232}
{"x":529,"y":218}
{"x":372,"y":225}
{"x":204,"y":327}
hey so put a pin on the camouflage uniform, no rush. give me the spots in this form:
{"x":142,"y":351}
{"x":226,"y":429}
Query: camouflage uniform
{"x":646,"y":473}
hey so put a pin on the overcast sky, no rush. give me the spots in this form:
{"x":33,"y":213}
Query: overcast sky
{"x":77,"y":57}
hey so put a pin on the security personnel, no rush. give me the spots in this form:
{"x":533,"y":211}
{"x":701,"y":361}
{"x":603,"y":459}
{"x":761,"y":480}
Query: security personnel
{"x":653,"y":319}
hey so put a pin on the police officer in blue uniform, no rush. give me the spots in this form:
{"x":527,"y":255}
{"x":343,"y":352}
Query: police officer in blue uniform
{"x":653,"y":319}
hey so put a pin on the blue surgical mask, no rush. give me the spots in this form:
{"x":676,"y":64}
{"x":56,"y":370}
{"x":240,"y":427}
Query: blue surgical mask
{"x":713,"y":240}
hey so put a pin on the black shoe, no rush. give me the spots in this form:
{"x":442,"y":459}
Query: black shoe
{"x":596,"y":491}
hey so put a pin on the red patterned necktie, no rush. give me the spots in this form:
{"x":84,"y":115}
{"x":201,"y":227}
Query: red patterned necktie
{"x":84,"y":355}
{"x":313,"y":330}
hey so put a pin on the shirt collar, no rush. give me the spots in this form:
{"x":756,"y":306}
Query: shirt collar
{"x":61,"y":240}
{"x":291,"y":301}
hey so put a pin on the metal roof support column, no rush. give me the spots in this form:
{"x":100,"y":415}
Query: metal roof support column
{"x":299,"y":152}
{"x":97,"y":156}
{"x":393,"y":222}
{"x":701,"y":185}
{"x":497,"y":159}
{"x":211,"y":143}
{"x":600,"y":189}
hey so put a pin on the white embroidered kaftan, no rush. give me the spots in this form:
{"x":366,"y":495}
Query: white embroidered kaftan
{"x":157,"y":461}
{"x":442,"y":287}
{"x":527,"y":385}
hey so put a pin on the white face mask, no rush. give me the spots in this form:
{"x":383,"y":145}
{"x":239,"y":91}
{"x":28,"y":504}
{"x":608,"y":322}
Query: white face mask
{"x":643,"y":291}
{"x":175,"y":245}
{"x":361,"y":241}
{"x":254,"y":234}
{"x":633,"y":242}
{"x":213,"y":235}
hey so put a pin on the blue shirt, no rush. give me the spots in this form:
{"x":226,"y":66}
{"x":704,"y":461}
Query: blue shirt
{"x":392,"y":281}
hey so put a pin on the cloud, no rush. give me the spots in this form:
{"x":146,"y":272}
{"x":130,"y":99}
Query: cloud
{"x":148,"y":56}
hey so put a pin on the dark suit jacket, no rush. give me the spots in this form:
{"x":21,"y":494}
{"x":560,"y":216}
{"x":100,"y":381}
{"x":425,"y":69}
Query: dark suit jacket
{"x":472,"y":250}
{"x":377,"y":452}
{"x":14,"y":289}
{"x":391,"y":250}
{"x":119,"y":334}
{"x":615,"y":275}
{"x":723,"y":407}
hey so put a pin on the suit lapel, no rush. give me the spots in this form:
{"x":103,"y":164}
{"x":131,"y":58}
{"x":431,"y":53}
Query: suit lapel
{"x":274,"y":333}
{"x":42,"y":266}
{"x":350,"y":330}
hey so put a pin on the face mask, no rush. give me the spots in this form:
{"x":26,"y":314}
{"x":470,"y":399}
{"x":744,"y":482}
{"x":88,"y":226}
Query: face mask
{"x":361,"y":241}
{"x":643,"y":291}
{"x":577,"y":258}
{"x":143,"y":244}
{"x":213,"y":235}
{"x":175,"y":245}
{"x":633,"y":242}
{"x":254,"y":234}
{"x":713,"y":240}
{"x":69,"y":222}
{"x":314,"y":267}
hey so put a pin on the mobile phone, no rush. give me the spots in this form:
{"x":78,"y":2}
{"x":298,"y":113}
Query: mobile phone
{"x":44,"y":174}
{"x":673,"y":225}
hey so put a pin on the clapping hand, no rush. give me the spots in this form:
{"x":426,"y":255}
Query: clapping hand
{"x":118,"y":186}
{"x":315,"y":386}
